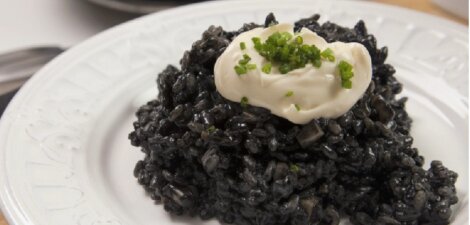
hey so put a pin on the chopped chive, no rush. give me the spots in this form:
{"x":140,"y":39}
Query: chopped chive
{"x":244,"y":102}
{"x":289,"y":52}
{"x":316,"y":63}
{"x":240,"y":70}
{"x":289,"y":93}
{"x":266,"y":68}
{"x":328,"y":55}
{"x":211,"y":129}
{"x":285,"y":53}
{"x":242,"y":45}
{"x":297,"y":107}
{"x":251,"y":66}
{"x":284,"y":68}
{"x":257,"y":43}
{"x":294,"y":168}
{"x":346,"y":73}
{"x":286,"y":35}
{"x":242,"y":62}
{"x":256,"y":40}
{"x":243,"y":66}
{"x":345,"y":66}
{"x":245,"y":60}
{"x":347,"y":84}
{"x":282,"y":38}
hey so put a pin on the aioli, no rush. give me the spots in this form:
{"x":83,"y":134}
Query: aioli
{"x":316,"y":92}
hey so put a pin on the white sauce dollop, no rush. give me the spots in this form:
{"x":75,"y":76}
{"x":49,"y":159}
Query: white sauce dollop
{"x":317,"y":91}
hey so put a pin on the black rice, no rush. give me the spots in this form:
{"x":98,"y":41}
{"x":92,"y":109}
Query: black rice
{"x":209,"y":157}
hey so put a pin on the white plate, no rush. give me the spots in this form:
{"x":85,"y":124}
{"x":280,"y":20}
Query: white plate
{"x":65,"y":158}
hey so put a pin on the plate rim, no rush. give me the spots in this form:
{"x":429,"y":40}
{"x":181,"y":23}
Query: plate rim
{"x":12,"y":209}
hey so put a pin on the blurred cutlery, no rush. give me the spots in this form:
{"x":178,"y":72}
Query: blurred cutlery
{"x":17,"y":66}
{"x":24,"y":63}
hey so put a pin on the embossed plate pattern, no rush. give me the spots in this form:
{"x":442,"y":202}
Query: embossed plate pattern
{"x":65,"y":158}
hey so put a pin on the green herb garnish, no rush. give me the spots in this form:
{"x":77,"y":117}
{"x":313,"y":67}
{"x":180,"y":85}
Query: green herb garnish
{"x":251,"y":66}
{"x":294,"y":168}
{"x":240,"y":69}
{"x":288,"y":52}
{"x":266,"y":68}
{"x":347,"y":84}
{"x":285,"y":68}
{"x":316,"y":63}
{"x":242,"y":45}
{"x":257,"y":42}
{"x":211,"y":129}
{"x":243,"y":66}
{"x":327,"y":54}
{"x":244,"y":102}
{"x":245,"y":60}
{"x":297,"y":107}
{"x":289,"y":93}
{"x":346,"y":73}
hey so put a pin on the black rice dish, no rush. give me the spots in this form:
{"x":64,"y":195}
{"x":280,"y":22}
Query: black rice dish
{"x":207,"y":156}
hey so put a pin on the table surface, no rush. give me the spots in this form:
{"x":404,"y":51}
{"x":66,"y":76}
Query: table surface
{"x":108,"y":18}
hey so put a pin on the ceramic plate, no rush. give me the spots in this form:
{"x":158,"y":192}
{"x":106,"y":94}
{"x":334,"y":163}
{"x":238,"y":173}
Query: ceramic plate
{"x":64,"y":154}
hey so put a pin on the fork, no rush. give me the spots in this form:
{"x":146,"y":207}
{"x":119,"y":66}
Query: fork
{"x":22,"y":64}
